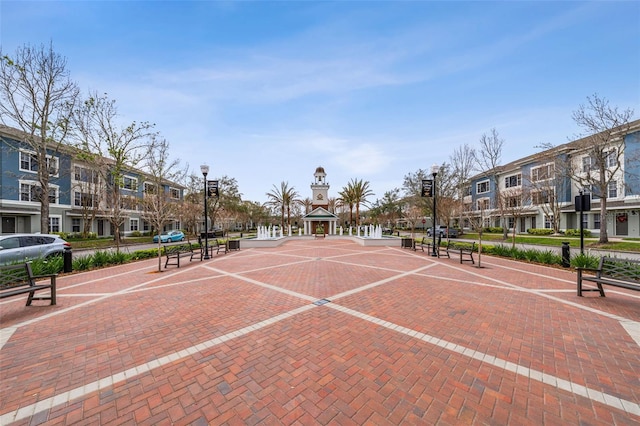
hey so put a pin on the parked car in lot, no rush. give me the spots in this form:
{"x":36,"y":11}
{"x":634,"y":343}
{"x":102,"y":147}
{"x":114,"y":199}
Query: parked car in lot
{"x":24,"y":247}
{"x":168,"y":237}
{"x":444,"y":232}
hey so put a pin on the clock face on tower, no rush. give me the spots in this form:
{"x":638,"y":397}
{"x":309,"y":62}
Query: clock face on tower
{"x":319,"y":197}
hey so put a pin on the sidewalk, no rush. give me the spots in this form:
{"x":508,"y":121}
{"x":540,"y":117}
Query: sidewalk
{"x":322,"y":332}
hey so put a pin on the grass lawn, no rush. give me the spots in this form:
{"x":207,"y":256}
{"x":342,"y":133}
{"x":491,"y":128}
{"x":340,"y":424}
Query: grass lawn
{"x":631,"y":244}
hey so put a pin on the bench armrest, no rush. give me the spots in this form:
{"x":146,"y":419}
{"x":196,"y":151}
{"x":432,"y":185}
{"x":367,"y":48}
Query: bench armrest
{"x":582,"y":269}
{"x":40,"y":277}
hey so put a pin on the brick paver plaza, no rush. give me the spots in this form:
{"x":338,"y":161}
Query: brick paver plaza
{"x":322,"y":332}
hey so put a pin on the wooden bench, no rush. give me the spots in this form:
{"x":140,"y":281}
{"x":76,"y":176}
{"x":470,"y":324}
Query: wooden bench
{"x":220,"y":246}
{"x":624,"y":273}
{"x":428,"y":243}
{"x":19,"y":279}
{"x":464,"y":250}
{"x":174,"y":253}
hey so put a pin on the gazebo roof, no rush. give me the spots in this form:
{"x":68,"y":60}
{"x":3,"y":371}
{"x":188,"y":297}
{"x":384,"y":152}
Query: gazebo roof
{"x":320,"y":213}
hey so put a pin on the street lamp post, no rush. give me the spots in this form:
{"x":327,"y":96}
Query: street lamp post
{"x":434,"y":172}
{"x":205,"y":171}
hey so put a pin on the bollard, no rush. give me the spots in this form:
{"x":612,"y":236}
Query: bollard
{"x":67,"y":261}
{"x":566,"y":254}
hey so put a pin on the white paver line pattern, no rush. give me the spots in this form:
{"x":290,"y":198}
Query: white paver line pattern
{"x":610,"y":400}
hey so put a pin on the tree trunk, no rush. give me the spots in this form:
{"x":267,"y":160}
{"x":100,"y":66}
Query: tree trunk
{"x":603,"y":221}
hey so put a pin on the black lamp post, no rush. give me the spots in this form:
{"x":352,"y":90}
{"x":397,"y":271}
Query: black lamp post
{"x":205,"y":171}
{"x":434,"y":172}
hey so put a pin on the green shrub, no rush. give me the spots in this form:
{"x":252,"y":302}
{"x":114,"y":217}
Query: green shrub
{"x":576,"y":233}
{"x":136,"y":234}
{"x":539,"y":231}
{"x":50,"y":265}
{"x":82,"y":263}
{"x":549,"y":257}
{"x":499,"y":250}
{"x":118,"y":258}
{"x":585,"y":260}
{"x":144,"y":254}
{"x":530,"y":255}
{"x":63,"y":235}
{"x":493,"y":229}
{"x":100,"y":258}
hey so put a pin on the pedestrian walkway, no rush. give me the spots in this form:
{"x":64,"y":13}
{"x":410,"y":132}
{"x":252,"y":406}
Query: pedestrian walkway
{"x":322,"y":332}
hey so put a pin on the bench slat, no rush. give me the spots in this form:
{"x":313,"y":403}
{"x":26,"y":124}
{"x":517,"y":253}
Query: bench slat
{"x":18,"y":279}
{"x":624,"y":273}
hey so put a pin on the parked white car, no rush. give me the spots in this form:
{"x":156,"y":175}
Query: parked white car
{"x":16,"y":248}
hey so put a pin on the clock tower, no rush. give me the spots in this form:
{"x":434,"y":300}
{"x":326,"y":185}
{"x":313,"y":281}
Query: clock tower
{"x":320,"y":189}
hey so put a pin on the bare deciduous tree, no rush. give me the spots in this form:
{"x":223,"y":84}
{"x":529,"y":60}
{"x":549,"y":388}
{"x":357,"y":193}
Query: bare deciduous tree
{"x":604,"y":146}
{"x":118,"y":148}
{"x":37,"y":96}
{"x":160,"y":204}
{"x":463,"y":163}
{"x":489,"y":158}
{"x":516,"y":202}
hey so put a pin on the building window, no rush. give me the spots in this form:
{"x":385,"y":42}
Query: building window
{"x":54,"y":224}
{"x":150,"y":188}
{"x":542,"y":173}
{"x":542,"y":197}
{"x":482,"y":204}
{"x":612,"y":189}
{"x":129,"y":183}
{"x":175,"y":193}
{"x":482,"y":187}
{"x":511,"y":222}
{"x":53,"y":194}
{"x":548,"y":221}
{"x":133,"y":225}
{"x":596,"y":221}
{"x":513,"y":202}
{"x":82,"y":199}
{"x":146,"y":226}
{"x":28,"y":192}
{"x":466,"y":191}
{"x":83,"y":174}
{"x":587,"y":164}
{"x":593,"y":191}
{"x":611,"y":158}
{"x":585,"y":221}
{"x":52,"y":164}
{"x":29,"y":163}
{"x":75,"y":225}
{"x":129,"y":203}
{"x":513,"y":181}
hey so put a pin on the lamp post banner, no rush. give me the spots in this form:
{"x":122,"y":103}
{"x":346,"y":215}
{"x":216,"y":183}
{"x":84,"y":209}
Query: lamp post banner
{"x":427,"y":188}
{"x":212,"y":188}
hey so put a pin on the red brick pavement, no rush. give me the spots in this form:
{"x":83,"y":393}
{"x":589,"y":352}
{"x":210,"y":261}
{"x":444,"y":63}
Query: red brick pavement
{"x":403,"y":339}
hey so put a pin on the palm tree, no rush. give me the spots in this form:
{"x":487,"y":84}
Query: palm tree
{"x":346,"y":199}
{"x":307,"y":203}
{"x":360,"y":191}
{"x":283,"y":198}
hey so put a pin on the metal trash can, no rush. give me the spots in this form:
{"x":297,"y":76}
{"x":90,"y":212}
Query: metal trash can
{"x":566,"y":254}
{"x":67,"y":260}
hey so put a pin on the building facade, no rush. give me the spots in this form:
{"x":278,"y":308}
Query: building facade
{"x":539,"y":191}
{"x":320,"y":221}
{"x":76,"y":192}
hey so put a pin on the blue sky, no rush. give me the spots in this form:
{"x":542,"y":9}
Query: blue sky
{"x":267,"y":91}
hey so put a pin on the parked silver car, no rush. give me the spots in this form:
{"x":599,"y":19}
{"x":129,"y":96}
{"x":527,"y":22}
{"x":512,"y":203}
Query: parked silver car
{"x":25,"y":247}
{"x":443,"y":231}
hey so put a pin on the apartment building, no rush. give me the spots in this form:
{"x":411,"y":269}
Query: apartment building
{"x":538,"y":191}
{"x":76,"y":192}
